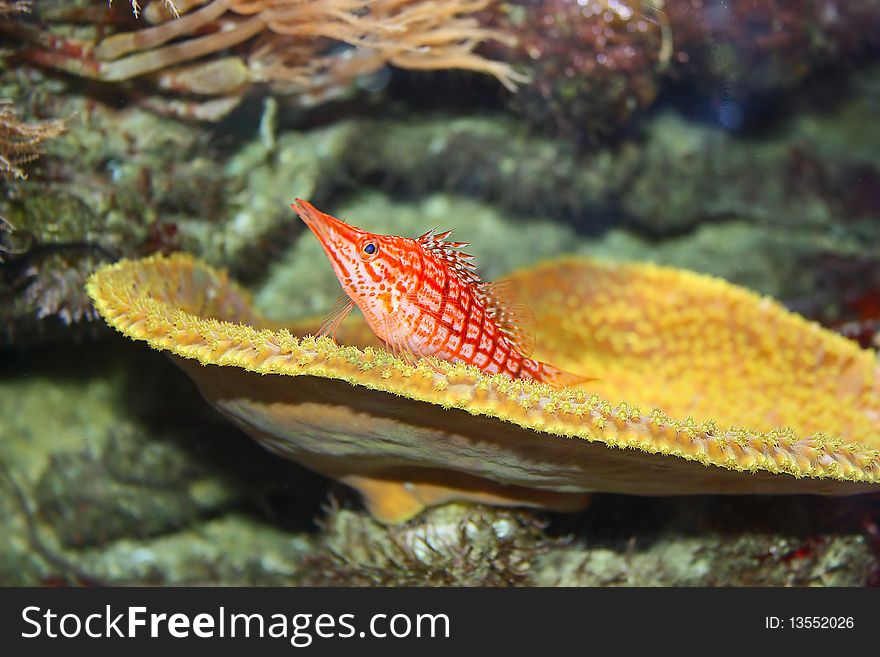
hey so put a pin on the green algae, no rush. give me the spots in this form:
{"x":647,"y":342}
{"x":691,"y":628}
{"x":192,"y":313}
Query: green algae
{"x":265,"y":176}
{"x":128,"y":182}
{"x":90,"y":463}
{"x":715,"y":542}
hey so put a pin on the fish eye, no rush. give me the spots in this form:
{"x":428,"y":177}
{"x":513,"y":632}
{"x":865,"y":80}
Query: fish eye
{"x":369,"y":248}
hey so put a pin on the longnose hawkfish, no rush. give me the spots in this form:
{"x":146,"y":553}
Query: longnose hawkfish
{"x":423,"y":297}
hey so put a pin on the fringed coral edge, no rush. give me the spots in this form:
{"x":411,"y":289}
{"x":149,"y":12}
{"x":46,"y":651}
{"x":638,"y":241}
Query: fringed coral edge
{"x":139,"y":299}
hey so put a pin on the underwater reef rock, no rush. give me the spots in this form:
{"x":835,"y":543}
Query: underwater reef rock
{"x":92,"y":199}
{"x":134,"y":487}
{"x":125,"y":183}
{"x":265,"y":175}
{"x":741,"y":364}
{"x":116,"y":484}
{"x":493,"y":158}
{"x":812,"y":173}
{"x":132,"y":397}
{"x":48,"y":257}
{"x":594,"y":63}
{"x":735,"y":50}
{"x":720,"y":541}
{"x":846,"y":297}
{"x":766,"y":257}
{"x":454,"y":545}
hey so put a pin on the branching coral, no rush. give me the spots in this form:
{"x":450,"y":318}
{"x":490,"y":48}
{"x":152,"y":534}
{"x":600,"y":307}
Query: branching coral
{"x":20,"y":142}
{"x":291,"y":44}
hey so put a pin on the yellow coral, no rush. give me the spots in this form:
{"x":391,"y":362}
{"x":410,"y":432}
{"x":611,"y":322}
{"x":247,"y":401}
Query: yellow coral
{"x":704,"y":388}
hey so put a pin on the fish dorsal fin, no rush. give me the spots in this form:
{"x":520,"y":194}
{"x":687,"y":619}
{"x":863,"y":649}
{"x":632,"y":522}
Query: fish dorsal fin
{"x":511,"y":314}
{"x":449,"y":252}
{"x":503,"y":303}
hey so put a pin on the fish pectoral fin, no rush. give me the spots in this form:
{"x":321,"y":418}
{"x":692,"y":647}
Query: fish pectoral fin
{"x":335,"y":316}
{"x":511,"y":313}
{"x":395,"y":342}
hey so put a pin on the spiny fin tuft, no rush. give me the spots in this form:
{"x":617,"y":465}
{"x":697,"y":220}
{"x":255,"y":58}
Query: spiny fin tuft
{"x":448,"y":252}
{"x":503,"y":304}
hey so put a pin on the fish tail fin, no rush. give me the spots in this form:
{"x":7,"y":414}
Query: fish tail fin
{"x":558,"y":378}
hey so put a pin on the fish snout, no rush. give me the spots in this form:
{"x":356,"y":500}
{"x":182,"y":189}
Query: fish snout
{"x":330,"y":231}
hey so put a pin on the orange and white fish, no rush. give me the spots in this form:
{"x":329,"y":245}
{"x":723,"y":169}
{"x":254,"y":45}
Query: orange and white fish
{"x":423,"y":297}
